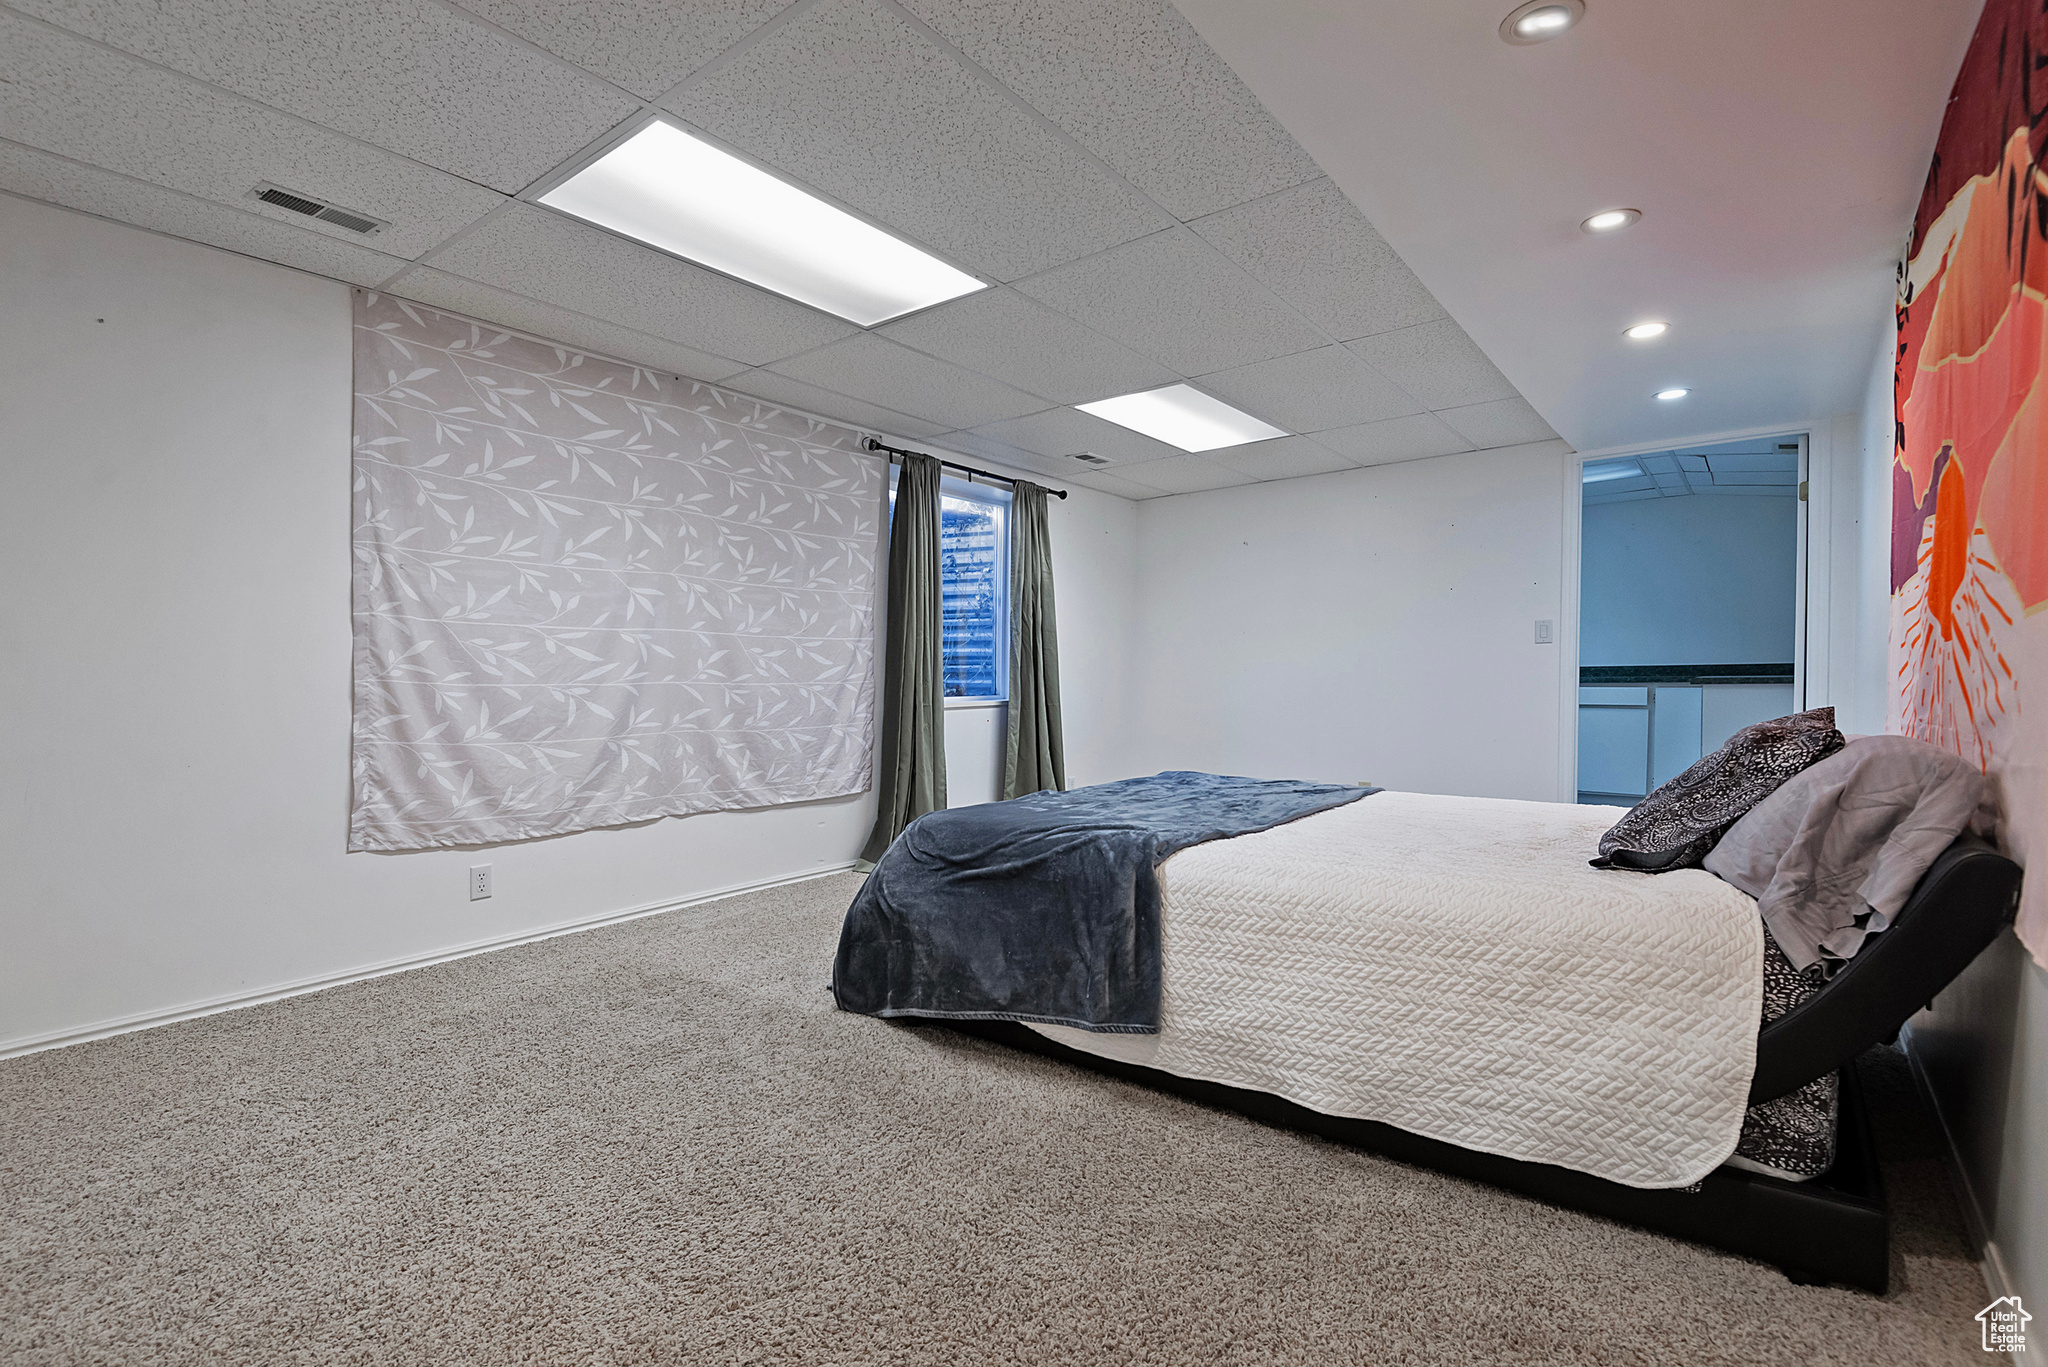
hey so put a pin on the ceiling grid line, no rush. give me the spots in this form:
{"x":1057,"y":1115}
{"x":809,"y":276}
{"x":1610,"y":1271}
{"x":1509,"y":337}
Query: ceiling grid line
{"x":1135,"y":100}
{"x":310,"y":233}
{"x":234,"y":94}
{"x":468,"y":16}
{"x":782,"y":19}
{"x":975,"y":69}
{"x":426,"y":258}
{"x":1030,"y":110}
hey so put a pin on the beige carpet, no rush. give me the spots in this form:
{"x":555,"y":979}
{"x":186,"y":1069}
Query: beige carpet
{"x":657,"y":1142}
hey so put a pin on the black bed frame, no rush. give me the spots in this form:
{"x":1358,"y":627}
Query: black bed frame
{"x":1832,"y":1229}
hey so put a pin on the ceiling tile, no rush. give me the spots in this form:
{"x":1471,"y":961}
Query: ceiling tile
{"x":876,"y":369}
{"x":1281,"y":458}
{"x":559,"y":325}
{"x":1640,"y":484}
{"x":1183,"y":474}
{"x":1504,"y":422}
{"x":1383,"y":443}
{"x":1002,"y":333}
{"x":850,"y":100}
{"x":1617,"y":467}
{"x":1177,"y":300}
{"x":1002,"y":453}
{"x":404,"y":74}
{"x":1437,"y":363}
{"x":644,"y":45}
{"x":81,"y":101}
{"x":808,"y":398}
{"x":546,"y":256}
{"x":1103,"y":482}
{"x":40,"y":175}
{"x":1312,"y":247}
{"x":1064,"y":431}
{"x":1786,"y":462}
{"x":1755,"y":446}
{"x":1312,"y":391}
{"x":1136,"y":85}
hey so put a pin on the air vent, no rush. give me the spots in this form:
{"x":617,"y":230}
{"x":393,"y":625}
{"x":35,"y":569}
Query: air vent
{"x":1088,"y":458}
{"x":342,"y":218}
{"x":1788,"y":446}
{"x":290,"y":201}
{"x":318,"y":208}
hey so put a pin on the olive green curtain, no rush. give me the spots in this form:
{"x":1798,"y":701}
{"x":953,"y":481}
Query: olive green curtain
{"x":910,"y":771}
{"x":1034,"y":756}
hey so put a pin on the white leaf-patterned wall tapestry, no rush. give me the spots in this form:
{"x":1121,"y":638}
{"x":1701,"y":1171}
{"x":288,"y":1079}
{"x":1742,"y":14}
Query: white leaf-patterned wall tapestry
{"x":588,"y":594}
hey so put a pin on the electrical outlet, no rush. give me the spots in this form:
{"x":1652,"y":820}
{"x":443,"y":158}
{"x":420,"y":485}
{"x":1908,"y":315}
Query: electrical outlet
{"x":479,"y":882}
{"x":1544,"y":635}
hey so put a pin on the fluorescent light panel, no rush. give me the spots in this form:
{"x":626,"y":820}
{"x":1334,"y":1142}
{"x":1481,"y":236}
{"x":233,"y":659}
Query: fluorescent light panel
{"x":1181,"y":415}
{"x":679,"y":193}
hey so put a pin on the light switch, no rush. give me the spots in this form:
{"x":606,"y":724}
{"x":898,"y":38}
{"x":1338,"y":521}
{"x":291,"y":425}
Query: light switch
{"x":1543,"y":632}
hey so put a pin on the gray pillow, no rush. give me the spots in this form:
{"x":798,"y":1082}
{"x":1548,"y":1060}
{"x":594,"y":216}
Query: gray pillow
{"x":1674,"y":827}
{"x":1832,"y":855}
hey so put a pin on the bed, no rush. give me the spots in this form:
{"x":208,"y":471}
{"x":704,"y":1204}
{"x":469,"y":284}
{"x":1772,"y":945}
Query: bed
{"x":1441,"y":979}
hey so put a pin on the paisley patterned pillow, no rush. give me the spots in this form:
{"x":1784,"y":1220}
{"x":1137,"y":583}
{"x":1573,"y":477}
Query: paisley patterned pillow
{"x":1674,"y":827}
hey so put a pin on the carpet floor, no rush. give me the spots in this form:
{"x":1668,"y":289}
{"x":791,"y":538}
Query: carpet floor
{"x":657,"y":1142}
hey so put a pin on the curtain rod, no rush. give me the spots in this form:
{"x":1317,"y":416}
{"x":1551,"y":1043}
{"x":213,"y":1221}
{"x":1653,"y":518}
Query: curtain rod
{"x":874,"y":445}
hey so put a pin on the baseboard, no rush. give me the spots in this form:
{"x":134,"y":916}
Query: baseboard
{"x":59,"y":1039}
{"x":1997,"y":1279}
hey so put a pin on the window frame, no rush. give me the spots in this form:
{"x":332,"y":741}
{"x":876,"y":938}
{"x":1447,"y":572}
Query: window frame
{"x":955,"y":487}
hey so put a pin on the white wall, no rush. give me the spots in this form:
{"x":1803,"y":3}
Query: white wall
{"x":1705,"y":579}
{"x":1096,"y":594}
{"x":1853,"y":549}
{"x":174,"y":536}
{"x":1372,"y":625}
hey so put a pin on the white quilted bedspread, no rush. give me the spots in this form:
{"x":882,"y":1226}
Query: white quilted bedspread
{"x":1451,"y":966}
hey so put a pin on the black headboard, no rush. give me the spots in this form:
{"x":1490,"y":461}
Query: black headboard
{"x":1958,"y":908}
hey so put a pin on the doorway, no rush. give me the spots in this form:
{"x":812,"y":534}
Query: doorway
{"x":1689,"y":622}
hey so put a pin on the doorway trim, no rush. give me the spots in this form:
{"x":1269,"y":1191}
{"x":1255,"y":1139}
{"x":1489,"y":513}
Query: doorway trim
{"x":1810,"y":664}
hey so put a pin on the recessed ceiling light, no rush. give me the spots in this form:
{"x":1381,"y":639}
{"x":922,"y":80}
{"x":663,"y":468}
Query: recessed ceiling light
{"x":1541,"y":19}
{"x":1611,"y":220}
{"x":1669,"y":394}
{"x":679,"y":193}
{"x":1181,"y":415}
{"x":1643,"y":332}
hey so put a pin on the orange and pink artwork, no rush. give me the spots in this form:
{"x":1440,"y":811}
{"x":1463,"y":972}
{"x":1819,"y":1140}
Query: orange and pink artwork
{"x":1969,"y":556}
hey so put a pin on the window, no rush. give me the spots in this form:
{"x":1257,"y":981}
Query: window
{"x":974,"y":613}
{"x":974,"y":592}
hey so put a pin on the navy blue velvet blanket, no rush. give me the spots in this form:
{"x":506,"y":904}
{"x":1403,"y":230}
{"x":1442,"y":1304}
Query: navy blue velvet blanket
{"x":1044,"y":908}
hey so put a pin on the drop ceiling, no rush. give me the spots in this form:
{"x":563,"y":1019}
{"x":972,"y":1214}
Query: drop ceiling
{"x":1141,"y":215}
{"x":1760,"y":468}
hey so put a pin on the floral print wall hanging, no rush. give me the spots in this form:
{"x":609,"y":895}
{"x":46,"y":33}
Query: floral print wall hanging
{"x":587,"y":593}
